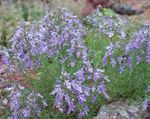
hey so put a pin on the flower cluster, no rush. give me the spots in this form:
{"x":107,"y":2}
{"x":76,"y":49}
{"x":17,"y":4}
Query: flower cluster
{"x":107,"y":25}
{"x":75,"y":88}
{"x":54,"y":31}
{"x":5,"y":63}
{"x":137,"y":48}
{"x":140,"y":41}
{"x":72,"y":93}
{"x":22,"y":103}
{"x":146,"y":102}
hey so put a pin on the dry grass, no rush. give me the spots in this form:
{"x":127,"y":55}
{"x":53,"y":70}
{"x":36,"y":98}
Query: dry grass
{"x":75,"y":7}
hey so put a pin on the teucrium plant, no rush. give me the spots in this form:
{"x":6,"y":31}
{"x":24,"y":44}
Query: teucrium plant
{"x":60,"y":34}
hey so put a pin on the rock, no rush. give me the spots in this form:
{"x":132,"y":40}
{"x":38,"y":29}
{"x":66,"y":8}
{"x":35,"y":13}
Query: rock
{"x":125,"y":9}
{"x":120,"y":110}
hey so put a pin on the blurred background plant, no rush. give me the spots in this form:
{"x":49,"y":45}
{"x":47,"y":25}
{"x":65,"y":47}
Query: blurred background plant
{"x":11,"y":12}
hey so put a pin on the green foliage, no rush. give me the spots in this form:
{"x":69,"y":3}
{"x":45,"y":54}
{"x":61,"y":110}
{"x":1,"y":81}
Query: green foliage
{"x":25,"y":12}
{"x":108,"y":12}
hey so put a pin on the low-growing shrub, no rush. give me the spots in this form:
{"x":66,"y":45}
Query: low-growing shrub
{"x":78,"y":51}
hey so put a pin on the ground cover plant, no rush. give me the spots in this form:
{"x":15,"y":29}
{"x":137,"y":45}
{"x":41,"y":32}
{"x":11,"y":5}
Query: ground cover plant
{"x":67,"y":67}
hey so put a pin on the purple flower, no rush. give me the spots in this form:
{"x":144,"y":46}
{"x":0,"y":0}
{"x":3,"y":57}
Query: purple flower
{"x":113,"y":63}
{"x":130,"y":61}
{"x":80,"y":75}
{"x":148,"y":53}
{"x":94,"y":98}
{"x":102,"y":90}
{"x":83,"y":112}
{"x":26,"y":112}
{"x":37,"y":63}
{"x":70,"y":103}
{"x":72,"y":63}
{"x":105,"y":60}
{"x":138,"y":59}
{"x":77,"y":87}
{"x":148,"y":89}
{"x":82,"y":99}
{"x":145,"y":104}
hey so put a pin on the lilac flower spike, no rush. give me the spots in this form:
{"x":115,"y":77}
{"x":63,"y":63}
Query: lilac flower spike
{"x":138,"y":47}
{"x":72,"y":89}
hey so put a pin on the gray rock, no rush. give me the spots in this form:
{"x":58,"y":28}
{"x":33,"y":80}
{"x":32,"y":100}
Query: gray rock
{"x":124,"y":9}
{"x":120,"y":110}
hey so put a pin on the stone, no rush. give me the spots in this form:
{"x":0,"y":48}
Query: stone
{"x":125,"y":9}
{"x":120,"y":110}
